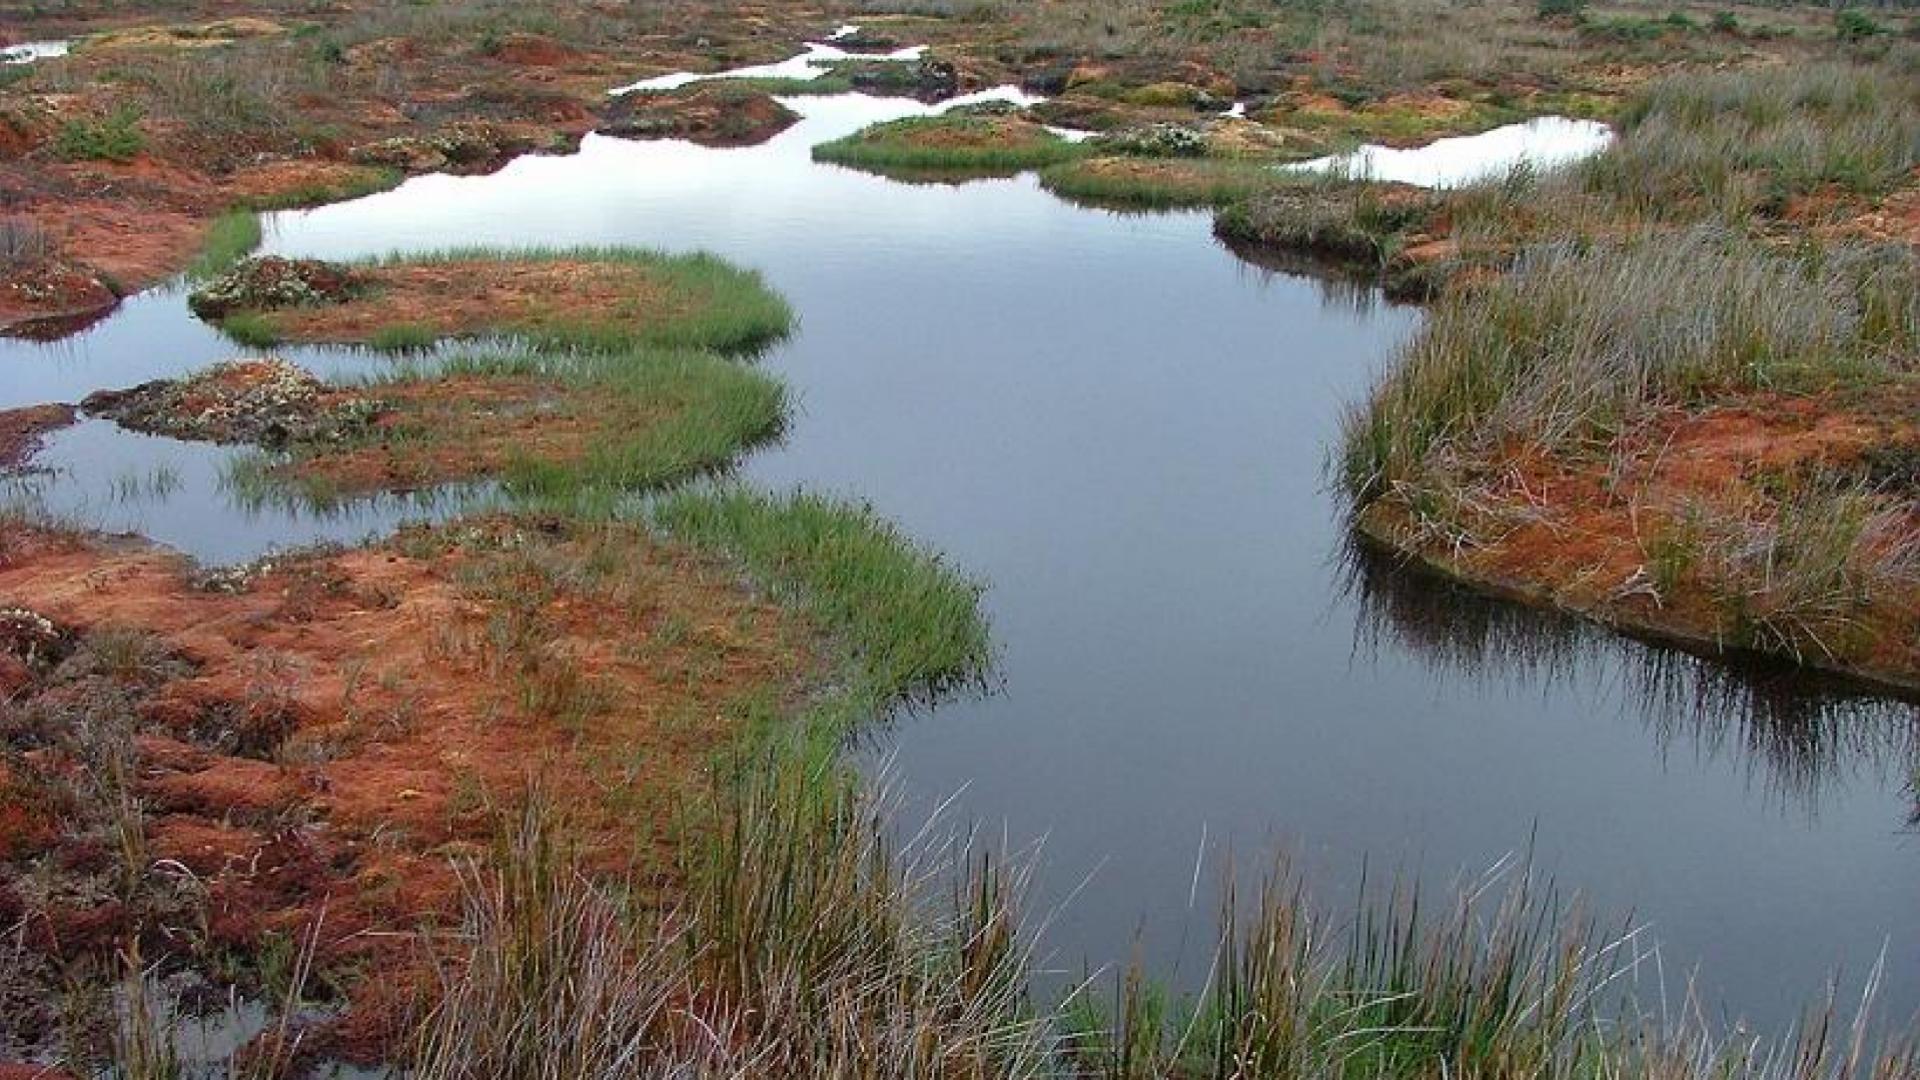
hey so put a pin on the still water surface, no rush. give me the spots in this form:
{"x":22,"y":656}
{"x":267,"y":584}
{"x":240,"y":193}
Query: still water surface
{"x":1119,"y":427}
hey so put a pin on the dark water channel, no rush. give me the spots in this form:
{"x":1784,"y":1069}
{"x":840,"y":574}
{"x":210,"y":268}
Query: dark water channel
{"x":1119,"y":427}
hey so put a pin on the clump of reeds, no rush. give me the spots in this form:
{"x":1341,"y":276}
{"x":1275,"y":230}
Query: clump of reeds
{"x":809,"y":947}
{"x":1502,"y":979}
{"x":1732,"y":143}
{"x":1576,"y":343}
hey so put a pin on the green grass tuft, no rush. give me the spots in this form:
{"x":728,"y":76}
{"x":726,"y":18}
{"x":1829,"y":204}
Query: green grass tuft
{"x":232,"y":237}
{"x":253,"y":331}
{"x":1158,"y":184}
{"x":914,"y":624}
{"x":403,"y":337}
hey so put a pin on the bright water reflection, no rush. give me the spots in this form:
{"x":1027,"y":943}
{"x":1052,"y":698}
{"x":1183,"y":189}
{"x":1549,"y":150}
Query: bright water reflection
{"x":1542,"y":143}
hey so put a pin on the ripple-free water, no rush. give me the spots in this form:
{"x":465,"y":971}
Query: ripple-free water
{"x":1120,"y":428}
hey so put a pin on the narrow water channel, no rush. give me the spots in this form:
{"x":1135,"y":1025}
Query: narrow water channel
{"x":1119,"y":427}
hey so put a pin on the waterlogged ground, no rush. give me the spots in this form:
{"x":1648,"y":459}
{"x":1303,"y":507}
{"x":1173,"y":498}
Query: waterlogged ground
{"x":1119,"y":426}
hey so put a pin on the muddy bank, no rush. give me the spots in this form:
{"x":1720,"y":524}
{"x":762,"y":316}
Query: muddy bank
{"x":21,"y":432}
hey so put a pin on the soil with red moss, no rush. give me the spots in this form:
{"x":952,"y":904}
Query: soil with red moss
{"x":331,"y":735}
{"x":468,"y":298}
{"x":465,"y":428}
{"x":1584,"y":534}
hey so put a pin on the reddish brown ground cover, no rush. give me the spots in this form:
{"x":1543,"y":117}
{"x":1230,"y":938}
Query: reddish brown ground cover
{"x":461,"y":298}
{"x":329,"y":734}
{"x":1592,"y":533}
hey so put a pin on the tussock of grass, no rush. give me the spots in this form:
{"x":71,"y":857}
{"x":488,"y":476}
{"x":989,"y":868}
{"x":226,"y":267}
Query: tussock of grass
{"x":1732,"y":143}
{"x":1329,"y":216}
{"x":1574,"y":344}
{"x":810,"y":946}
{"x":913,"y":623}
{"x":1500,"y":979}
{"x":232,"y":237}
{"x":958,"y":143}
{"x":403,"y":337}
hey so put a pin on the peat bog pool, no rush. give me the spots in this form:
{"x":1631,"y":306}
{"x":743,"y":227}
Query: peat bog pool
{"x":1120,"y":427}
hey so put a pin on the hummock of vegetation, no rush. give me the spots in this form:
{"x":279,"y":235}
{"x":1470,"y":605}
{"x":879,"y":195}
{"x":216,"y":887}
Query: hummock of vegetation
{"x":973,"y":143}
{"x":614,"y":381}
{"x":267,"y":402}
{"x":568,"y":636}
{"x":600,"y":299}
{"x":1147,"y":183}
{"x":1367,"y":225}
{"x":1688,"y":433}
{"x":541,"y":426}
{"x":718,"y":112}
{"x":1647,"y":407}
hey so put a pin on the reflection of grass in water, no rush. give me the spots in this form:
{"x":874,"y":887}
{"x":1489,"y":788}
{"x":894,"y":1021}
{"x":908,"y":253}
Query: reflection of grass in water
{"x":229,"y":239}
{"x":155,"y":484}
{"x":1802,"y":734}
{"x":256,"y":484}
